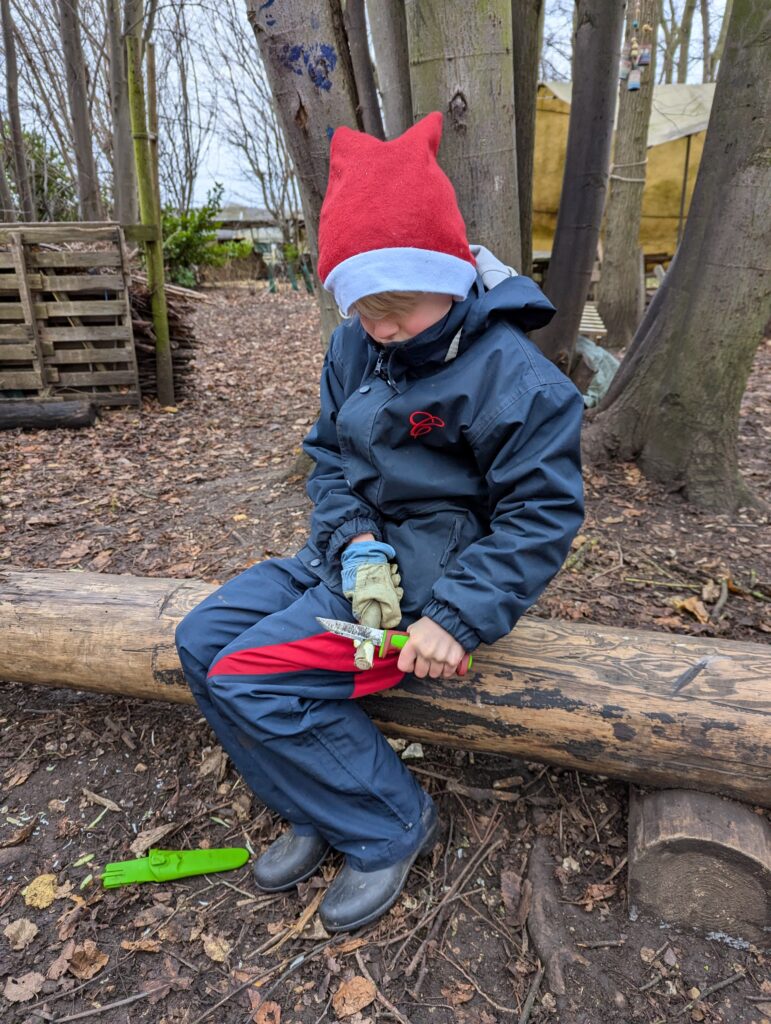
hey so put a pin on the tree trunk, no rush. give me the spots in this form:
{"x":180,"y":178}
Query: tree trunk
{"x":16,"y":414}
{"x":706,"y":41}
{"x":595,"y":85}
{"x":23,"y":188}
{"x":126,"y":209}
{"x":461,"y":64}
{"x":717,"y":53}
{"x":7,"y":206}
{"x":621,"y":702}
{"x":621,"y":291}
{"x":311,"y":78}
{"x":674,"y":404}
{"x":356,"y":29}
{"x":527,"y":18}
{"x":82,"y":131}
{"x":388,"y":26}
{"x":684,"y":40}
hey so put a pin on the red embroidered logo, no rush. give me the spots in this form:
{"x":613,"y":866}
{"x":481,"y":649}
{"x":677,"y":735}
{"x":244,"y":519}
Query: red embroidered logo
{"x":424,"y":422}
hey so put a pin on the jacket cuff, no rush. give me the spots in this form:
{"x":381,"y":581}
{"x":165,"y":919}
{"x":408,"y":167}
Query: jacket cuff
{"x":448,"y":618}
{"x":348,"y":529}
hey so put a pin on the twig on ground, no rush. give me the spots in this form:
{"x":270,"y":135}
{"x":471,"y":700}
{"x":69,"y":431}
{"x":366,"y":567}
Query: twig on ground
{"x":378,"y":994}
{"x":471,"y":979}
{"x":109,"y":1006}
{"x":586,"y":807}
{"x":533,"y":992}
{"x":720,"y":603}
{"x":619,"y":867}
{"x":602,"y":944}
{"x":709,"y":991}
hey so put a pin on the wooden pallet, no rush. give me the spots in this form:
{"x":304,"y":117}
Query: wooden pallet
{"x":65,"y":314}
{"x":591,"y":323}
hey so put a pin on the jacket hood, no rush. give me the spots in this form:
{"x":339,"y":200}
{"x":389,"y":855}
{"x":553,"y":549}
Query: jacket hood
{"x":498,"y":293}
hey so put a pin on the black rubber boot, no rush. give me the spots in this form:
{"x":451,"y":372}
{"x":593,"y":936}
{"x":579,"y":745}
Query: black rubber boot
{"x":289,"y":860}
{"x":356,"y":898}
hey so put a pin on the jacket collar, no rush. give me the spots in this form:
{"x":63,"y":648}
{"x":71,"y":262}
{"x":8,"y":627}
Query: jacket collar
{"x":431,"y":347}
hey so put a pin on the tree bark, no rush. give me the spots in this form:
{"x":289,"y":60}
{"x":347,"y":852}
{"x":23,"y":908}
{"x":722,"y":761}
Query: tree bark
{"x":621,"y":290}
{"x":527,"y":17}
{"x":126,"y":206}
{"x":684,"y":40}
{"x":673,"y":406}
{"x":23,"y":187}
{"x":388,"y":26}
{"x":7,"y":206}
{"x":82,"y":131}
{"x":311,"y":79}
{"x":461,"y":64}
{"x":15,"y":414}
{"x":625,"y":703}
{"x":595,"y":85}
{"x":356,"y":30}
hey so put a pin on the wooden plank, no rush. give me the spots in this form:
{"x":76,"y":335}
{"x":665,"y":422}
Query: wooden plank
{"x":79,"y":282}
{"x":73,"y":379}
{"x":96,"y":258}
{"x":11,"y":311}
{"x":14,"y":332}
{"x":61,"y":231}
{"x":93,"y":307}
{"x":9,"y":283}
{"x":27,"y":304}
{"x":127,"y":319}
{"x":6,"y":258}
{"x":85,"y":332}
{"x":17,"y":353}
{"x":64,"y":356}
{"x":19,"y":379}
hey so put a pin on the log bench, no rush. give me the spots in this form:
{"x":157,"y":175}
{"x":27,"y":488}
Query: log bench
{"x":657,"y":709}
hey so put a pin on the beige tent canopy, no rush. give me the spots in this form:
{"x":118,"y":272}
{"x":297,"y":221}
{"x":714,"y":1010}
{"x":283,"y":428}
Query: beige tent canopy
{"x":676,"y":134}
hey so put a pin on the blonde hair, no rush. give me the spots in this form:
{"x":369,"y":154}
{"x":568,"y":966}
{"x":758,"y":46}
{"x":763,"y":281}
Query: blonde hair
{"x":381,"y":304}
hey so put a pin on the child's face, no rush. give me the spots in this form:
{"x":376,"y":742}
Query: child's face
{"x":427,"y":311}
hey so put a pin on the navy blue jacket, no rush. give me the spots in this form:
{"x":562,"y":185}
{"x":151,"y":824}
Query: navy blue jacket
{"x":468,"y":465}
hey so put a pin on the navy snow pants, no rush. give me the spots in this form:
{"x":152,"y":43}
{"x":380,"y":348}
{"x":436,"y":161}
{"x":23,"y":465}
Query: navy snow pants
{"x":276,"y":690}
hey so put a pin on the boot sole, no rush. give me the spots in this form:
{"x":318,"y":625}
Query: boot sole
{"x":423,"y":851}
{"x":295,"y":881}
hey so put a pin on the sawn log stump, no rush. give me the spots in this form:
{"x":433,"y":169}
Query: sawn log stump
{"x":655,"y":708}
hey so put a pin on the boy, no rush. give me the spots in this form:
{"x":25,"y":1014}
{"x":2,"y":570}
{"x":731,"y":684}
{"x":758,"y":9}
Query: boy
{"x":447,"y":448}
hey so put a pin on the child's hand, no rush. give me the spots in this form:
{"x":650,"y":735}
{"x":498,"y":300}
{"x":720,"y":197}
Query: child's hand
{"x":430,"y":651}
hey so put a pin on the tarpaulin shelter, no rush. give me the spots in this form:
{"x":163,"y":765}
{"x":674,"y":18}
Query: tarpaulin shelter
{"x":676,"y":133}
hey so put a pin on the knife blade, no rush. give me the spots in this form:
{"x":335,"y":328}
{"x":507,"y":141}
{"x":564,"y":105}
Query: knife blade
{"x":384,"y":639}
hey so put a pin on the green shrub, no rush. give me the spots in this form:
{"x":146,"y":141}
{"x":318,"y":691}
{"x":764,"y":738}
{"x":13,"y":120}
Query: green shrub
{"x":190,"y":241}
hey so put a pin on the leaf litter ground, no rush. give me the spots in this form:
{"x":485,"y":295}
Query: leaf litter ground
{"x":203,"y":491}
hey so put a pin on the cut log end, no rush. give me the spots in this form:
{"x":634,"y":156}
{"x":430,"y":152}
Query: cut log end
{"x":700,"y":861}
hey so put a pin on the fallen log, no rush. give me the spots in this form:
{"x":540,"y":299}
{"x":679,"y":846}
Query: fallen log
{"x":654,"y":708}
{"x":27,"y":415}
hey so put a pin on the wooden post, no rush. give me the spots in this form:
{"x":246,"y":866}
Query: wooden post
{"x":149,"y":213}
{"x":152,"y":125}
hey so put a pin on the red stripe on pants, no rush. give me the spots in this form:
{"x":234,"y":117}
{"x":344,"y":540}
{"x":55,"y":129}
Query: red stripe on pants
{"x":325,"y":651}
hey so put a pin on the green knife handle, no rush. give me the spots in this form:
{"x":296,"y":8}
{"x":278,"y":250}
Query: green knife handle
{"x":398,"y":640}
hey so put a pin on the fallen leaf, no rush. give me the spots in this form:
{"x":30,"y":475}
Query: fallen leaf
{"x":67,"y":923}
{"x":20,"y":835}
{"x":19,"y":990}
{"x":18,"y":774}
{"x":693,"y":606}
{"x":103,"y":801}
{"x":87,"y":960}
{"x":511,"y":890}
{"x":353,"y":995}
{"x":216,"y":947}
{"x":160,"y":987}
{"x":215,"y":762}
{"x":460,"y":992}
{"x":647,"y":954}
{"x":20,"y":933}
{"x":149,"y":838}
{"x":41,"y":892}
{"x":57,"y":806}
{"x":141,"y":945}
{"x":268,"y":1013}
{"x":62,"y":962}
{"x":151,"y":915}
{"x":710,"y":592}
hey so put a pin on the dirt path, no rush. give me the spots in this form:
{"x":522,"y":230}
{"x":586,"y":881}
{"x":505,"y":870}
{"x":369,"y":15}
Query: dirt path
{"x":204,"y":491}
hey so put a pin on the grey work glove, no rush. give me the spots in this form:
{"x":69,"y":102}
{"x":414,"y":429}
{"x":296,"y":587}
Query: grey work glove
{"x":371,"y":584}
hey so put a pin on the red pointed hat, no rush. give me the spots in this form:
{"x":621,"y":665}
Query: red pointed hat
{"x":390,"y":219}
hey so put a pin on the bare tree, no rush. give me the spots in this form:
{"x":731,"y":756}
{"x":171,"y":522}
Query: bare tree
{"x":8,"y":211}
{"x":246,"y":118}
{"x":185,"y":120}
{"x":363,"y":73}
{"x":684,"y":40}
{"x":673,"y":406}
{"x":124,"y":183}
{"x":527,"y":18}
{"x":621,"y":290}
{"x":473,"y":86}
{"x":388,"y":26}
{"x":17,"y":138}
{"x":305,"y":53}
{"x":593,"y":102}
{"x":77,"y":89}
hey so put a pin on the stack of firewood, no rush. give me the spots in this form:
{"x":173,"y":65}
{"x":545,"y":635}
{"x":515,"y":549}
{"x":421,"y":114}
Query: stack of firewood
{"x":183,"y":341}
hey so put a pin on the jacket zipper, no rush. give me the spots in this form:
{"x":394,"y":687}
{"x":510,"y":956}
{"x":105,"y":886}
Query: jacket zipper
{"x":384,"y":373}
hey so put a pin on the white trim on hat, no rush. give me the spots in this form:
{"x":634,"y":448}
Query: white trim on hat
{"x":399,"y":270}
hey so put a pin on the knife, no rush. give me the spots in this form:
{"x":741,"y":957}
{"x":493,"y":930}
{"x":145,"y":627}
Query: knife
{"x":384,"y":639}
